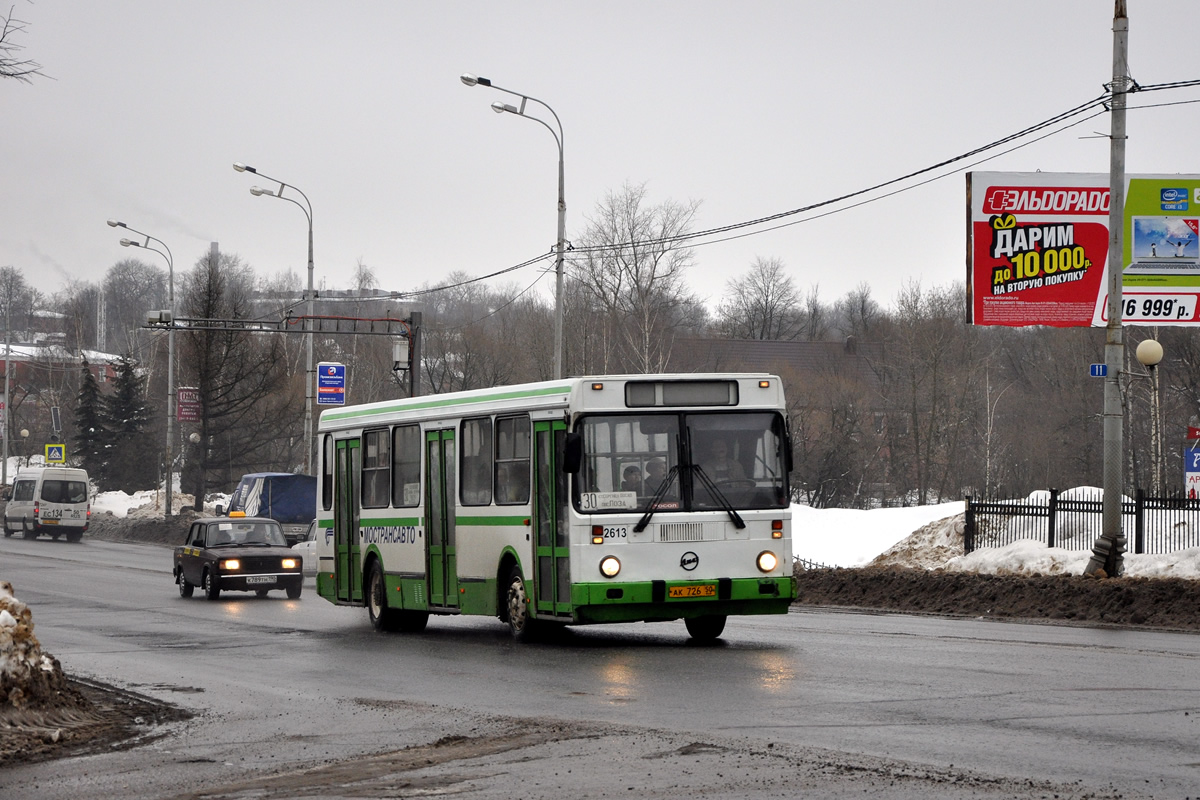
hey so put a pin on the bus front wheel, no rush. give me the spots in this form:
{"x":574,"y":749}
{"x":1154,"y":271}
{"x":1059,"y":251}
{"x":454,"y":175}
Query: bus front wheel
{"x":382,"y":617}
{"x":705,"y":629}
{"x":520,"y":624}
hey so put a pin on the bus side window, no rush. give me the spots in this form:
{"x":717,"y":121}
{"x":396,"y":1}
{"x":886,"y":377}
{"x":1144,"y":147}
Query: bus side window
{"x":406,"y":466}
{"x":376,"y":469}
{"x":476,"y":458}
{"x":327,"y":473}
{"x":512,"y":460}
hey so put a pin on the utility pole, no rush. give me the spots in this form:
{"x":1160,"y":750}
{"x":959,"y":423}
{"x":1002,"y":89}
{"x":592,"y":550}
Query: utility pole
{"x":414,"y":369}
{"x":1107,"y":554}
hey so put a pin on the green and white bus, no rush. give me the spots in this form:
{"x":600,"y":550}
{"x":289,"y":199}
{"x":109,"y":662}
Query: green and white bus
{"x":577,"y":501}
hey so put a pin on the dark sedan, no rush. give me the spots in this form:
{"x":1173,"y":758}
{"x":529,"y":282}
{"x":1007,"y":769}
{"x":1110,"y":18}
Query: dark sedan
{"x":240,"y":554}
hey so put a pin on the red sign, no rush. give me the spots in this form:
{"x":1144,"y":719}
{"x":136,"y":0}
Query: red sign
{"x":187,"y":404}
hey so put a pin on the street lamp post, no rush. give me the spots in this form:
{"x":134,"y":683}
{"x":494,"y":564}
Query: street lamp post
{"x":501,"y":108}
{"x":170,"y":321}
{"x":309,"y":377}
{"x":1149,"y":354}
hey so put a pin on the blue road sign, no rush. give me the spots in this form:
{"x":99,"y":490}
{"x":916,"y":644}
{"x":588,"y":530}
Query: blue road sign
{"x":1099,"y":370}
{"x":331,"y":384}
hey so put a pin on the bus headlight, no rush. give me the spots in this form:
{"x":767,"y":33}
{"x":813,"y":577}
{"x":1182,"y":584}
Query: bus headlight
{"x":767,"y":561}
{"x":610,"y":566}
{"x":231,"y":563}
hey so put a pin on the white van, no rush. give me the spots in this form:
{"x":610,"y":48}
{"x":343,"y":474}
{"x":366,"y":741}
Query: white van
{"x":51,"y":500}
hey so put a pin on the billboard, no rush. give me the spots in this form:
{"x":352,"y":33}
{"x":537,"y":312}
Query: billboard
{"x":1037,"y":249}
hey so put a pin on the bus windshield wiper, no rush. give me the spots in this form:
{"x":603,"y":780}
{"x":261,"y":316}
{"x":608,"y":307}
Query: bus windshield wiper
{"x":726,"y":506}
{"x":652,"y":503}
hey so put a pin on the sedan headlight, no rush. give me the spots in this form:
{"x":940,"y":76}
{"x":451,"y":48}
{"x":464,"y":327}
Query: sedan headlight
{"x":767,"y":561}
{"x":289,"y":563}
{"x":610,"y":566}
{"x":231,"y":563}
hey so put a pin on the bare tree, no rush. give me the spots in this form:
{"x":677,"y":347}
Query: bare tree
{"x":130,"y":289}
{"x":927,"y":379}
{"x":814,"y":318}
{"x":857,"y":313}
{"x":79,"y":302}
{"x":632,"y":264}
{"x":761,"y":304}
{"x":11,"y":64}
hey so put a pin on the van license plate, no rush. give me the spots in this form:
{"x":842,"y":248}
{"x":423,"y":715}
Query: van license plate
{"x":260,"y":579}
{"x":702,"y":590}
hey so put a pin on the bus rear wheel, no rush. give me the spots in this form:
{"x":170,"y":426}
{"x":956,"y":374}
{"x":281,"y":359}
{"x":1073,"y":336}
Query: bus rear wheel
{"x":705,"y":629}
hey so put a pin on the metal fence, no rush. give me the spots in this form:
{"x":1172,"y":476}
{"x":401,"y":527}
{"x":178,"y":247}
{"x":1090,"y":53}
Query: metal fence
{"x":1151,"y":524}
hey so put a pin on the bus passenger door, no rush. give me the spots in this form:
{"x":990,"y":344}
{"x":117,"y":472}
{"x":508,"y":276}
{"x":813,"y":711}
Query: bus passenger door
{"x":439,"y":518}
{"x":552,"y":589}
{"x":348,"y":558}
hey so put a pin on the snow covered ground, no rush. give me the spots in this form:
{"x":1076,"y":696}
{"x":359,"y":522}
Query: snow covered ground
{"x":931,"y":537}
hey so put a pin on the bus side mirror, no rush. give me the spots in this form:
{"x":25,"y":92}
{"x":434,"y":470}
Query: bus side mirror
{"x":572,"y":453}
{"x":220,"y":511}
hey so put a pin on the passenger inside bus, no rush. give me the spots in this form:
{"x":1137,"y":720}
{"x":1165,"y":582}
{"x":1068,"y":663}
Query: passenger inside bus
{"x":656,"y":474}
{"x":512,"y":483}
{"x":719,"y":466}
{"x":631,"y":479}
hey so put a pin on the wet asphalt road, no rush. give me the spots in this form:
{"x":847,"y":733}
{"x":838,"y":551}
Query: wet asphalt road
{"x":832,"y":702}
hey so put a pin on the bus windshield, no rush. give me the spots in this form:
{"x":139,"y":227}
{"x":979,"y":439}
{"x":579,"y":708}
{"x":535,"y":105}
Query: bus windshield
{"x":682,"y":461}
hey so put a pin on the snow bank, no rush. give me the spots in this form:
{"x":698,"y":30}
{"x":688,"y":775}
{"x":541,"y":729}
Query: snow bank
{"x":845,"y":537}
{"x":23,"y":665}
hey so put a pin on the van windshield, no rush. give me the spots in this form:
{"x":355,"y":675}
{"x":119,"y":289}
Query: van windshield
{"x":59,"y":491}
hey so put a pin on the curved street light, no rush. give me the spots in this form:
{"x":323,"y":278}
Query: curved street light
{"x":506,"y":108}
{"x":165,"y":253}
{"x":309,"y":375}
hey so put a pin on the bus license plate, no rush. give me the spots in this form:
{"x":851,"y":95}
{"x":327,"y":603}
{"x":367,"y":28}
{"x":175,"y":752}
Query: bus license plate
{"x":702,"y":590}
{"x":260,"y":579}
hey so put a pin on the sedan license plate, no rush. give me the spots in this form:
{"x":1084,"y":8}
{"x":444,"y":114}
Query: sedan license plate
{"x":700,"y":590}
{"x":260,"y":579}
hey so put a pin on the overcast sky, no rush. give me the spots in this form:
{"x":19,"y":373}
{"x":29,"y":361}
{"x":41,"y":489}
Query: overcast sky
{"x":751,"y":108}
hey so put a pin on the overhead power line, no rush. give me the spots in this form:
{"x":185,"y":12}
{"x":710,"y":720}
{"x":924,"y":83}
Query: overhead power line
{"x":1099,"y":102}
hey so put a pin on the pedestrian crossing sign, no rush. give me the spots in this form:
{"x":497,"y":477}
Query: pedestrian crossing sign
{"x":56,"y":454}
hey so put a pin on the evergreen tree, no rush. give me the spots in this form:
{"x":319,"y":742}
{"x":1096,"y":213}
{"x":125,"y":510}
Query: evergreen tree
{"x":132,"y":462}
{"x":90,"y":433}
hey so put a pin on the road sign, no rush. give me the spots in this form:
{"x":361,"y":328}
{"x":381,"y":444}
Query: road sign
{"x":56,"y":454}
{"x":1191,"y":471}
{"x":1099,"y":370}
{"x":331,"y":384}
{"x":187,"y":404}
